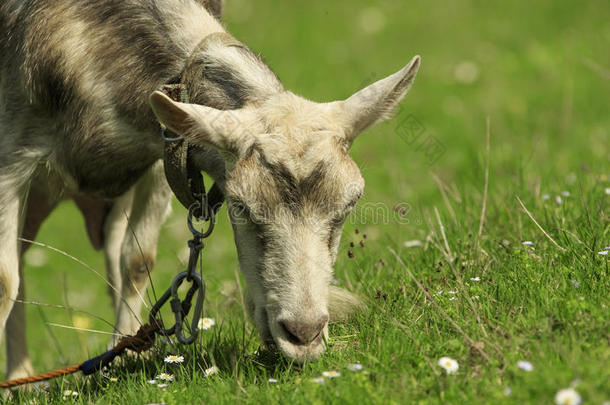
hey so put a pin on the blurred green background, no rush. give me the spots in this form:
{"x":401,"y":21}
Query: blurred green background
{"x":540,"y":70}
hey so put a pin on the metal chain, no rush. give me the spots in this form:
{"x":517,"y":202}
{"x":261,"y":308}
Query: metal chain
{"x":181,"y":308}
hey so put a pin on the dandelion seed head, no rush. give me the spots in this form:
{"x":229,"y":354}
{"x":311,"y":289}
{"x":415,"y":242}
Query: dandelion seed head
{"x":567,"y":396}
{"x":450,"y":365}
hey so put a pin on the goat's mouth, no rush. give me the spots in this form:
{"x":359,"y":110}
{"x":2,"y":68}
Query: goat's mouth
{"x":278,"y":337}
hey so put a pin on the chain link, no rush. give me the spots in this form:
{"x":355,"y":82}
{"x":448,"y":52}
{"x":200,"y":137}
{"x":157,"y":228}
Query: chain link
{"x":200,"y":211}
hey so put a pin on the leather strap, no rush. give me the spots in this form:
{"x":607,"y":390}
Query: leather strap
{"x":184,"y":179}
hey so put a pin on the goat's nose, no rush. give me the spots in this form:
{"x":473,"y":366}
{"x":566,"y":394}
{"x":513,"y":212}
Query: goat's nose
{"x":302,"y":332}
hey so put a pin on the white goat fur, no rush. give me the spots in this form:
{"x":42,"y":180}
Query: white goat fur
{"x":281,"y":161}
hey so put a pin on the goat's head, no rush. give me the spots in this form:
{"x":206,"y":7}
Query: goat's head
{"x":290,"y":184}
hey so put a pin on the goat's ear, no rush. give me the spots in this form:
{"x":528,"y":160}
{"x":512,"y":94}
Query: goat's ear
{"x":226,"y":131}
{"x":376,"y":102}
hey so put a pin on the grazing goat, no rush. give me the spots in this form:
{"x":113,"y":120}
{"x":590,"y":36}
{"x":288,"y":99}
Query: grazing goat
{"x":77,"y":83}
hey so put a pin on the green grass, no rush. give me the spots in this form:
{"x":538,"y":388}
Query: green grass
{"x":547,"y":101}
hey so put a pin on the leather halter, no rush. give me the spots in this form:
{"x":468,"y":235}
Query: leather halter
{"x":183,"y":177}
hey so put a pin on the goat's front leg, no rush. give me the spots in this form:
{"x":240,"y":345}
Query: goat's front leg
{"x":115,"y":228}
{"x":12,"y":205}
{"x":149,"y":209}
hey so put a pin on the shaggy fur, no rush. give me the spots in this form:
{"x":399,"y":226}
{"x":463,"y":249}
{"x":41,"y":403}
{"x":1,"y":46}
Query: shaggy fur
{"x":75,"y":122}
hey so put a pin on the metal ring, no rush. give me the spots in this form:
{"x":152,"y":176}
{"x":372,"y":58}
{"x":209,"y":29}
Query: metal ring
{"x":189,"y":221}
{"x":198,"y":284}
{"x":167,"y":139}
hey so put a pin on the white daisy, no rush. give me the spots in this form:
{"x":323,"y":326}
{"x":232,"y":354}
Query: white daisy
{"x":331,"y":374}
{"x":452,"y":292}
{"x":172,"y":358}
{"x":451,"y":298}
{"x":603,"y":252}
{"x":558,"y":200}
{"x":272,"y":380}
{"x":527,"y":242}
{"x":475,"y":278}
{"x":412,"y":243}
{"x":607,"y":190}
{"x":567,"y":396}
{"x":450,"y":365}
{"x":165,"y":377}
{"x":70,"y":393}
{"x":206,"y":323}
{"x":318,"y":380}
{"x":565,"y":193}
{"x":525,"y":365}
{"x":152,"y":382}
{"x":354,"y":367}
{"x":211,"y":371}
{"x":162,"y":385}
{"x":546,"y":197}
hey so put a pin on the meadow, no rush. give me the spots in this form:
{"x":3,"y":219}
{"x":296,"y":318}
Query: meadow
{"x":480,"y":237}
